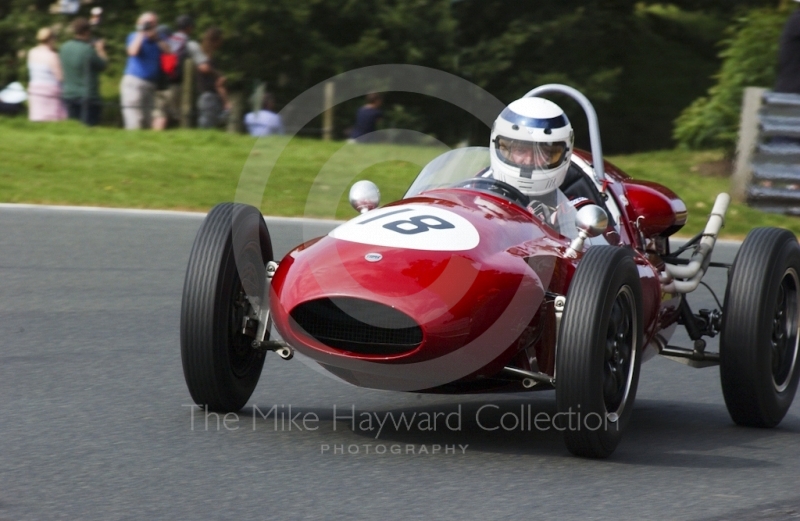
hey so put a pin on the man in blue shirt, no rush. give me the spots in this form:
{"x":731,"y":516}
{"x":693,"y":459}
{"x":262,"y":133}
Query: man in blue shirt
{"x":138,"y":88}
{"x":367,"y":118}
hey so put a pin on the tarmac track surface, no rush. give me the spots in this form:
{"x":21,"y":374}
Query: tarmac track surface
{"x":95,"y":421}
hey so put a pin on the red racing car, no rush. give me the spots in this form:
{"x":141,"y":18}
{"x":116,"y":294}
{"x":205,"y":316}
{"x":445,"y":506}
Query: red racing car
{"x":460,"y":287}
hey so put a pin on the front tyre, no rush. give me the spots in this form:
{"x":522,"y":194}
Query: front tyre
{"x":226,"y":265}
{"x":598,"y":352}
{"x":759,"y":340}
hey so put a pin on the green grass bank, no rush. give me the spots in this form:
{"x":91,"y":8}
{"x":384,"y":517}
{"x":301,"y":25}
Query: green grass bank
{"x":67,"y":164}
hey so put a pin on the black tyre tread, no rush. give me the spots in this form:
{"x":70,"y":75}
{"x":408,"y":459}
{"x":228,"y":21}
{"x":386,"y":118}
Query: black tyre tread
{"x":210,"y":265}
{"x":197,"y":321}
{"x":747,"y":389}
{"x":576,"y":377}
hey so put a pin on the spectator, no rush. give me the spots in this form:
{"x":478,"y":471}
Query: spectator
{"x":44,"y":86}
{"x":213,"y":97}
{"x":12,"y":98}
{"x":264,"y":122}
{"x":82,"y":63}
{"x":162,"y":111}
{"x":96,"y":19}
{"x":168,"y":99}
{"x":142,"y":71}
{"x":367,"y":118}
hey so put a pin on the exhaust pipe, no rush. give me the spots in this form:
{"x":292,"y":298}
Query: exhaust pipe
{"x":692,"y":273}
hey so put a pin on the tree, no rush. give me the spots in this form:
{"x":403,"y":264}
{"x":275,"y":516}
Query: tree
{"x":640,"y":62}
{"x":639,"y":65}
{"x":749,"y":58}
{"x":19,"y":21}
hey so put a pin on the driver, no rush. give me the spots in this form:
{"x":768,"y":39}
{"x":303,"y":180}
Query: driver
{"x":531,"y":146}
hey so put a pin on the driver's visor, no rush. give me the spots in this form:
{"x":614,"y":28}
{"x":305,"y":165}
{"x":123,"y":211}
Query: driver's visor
{"x":530,"y":154}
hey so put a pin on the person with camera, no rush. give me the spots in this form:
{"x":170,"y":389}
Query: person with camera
{"x":142,"y":72}
{"x":82,"y":63}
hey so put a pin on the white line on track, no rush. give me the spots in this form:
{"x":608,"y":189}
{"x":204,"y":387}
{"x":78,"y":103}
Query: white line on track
{"x":200,"y":215}
{"x":151,"y":213}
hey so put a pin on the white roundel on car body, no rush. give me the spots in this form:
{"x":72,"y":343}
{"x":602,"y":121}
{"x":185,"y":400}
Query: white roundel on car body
{"x":411,"y":226}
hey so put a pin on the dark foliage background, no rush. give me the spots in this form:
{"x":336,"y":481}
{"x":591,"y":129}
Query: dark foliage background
{"x":749,"y":55}
{"x":641,"y":63}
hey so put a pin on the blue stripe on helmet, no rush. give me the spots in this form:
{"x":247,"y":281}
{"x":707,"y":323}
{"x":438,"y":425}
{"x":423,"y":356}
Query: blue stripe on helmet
{"x":550,"y":123}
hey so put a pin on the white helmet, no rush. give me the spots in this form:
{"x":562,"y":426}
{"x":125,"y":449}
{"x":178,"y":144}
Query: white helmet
{"x":531,"y":146}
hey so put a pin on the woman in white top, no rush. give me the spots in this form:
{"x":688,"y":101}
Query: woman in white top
{"x":44,"y":88}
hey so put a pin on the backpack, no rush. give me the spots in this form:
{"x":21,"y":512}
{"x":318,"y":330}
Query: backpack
{"x":172,"y":63}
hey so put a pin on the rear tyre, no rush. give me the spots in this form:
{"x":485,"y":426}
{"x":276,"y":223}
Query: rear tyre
{"x":598,"y":352}
{"x":759,"y":342}
{"x":227,"y":263}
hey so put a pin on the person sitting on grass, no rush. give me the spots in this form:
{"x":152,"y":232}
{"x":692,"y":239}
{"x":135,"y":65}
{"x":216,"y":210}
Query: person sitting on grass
{"x":264,"y":122}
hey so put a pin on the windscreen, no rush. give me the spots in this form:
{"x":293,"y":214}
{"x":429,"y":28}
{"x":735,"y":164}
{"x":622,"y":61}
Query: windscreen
{"x":461,"y":164}
{"x":450,"y":168}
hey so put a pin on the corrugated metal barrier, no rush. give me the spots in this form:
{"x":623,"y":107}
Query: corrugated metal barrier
{"x":767,"y":174}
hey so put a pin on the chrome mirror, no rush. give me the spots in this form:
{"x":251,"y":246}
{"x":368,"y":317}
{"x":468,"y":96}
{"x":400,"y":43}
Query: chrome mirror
{"x":364,"y":196}
{"x":591,"y":220}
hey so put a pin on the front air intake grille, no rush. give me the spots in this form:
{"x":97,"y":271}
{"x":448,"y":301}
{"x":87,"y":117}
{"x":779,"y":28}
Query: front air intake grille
{"x":358,"y":326}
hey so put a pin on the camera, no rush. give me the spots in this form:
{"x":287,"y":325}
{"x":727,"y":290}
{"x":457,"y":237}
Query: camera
{"x":146,"y":26}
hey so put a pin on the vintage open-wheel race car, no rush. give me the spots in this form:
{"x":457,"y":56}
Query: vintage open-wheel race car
{"x":460,"y":288}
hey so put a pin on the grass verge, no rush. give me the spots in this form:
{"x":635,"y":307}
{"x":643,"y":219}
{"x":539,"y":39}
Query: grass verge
{"x":67,"y":164}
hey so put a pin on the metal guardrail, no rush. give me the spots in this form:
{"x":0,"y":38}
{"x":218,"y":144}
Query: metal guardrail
{"x":767,"y":172}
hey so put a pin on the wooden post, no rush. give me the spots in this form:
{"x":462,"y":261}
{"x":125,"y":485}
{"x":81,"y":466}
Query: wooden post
{"x":187,"y":95}
{"x":237,"y":112}
{"x":748,"y":138}
{"x":327,"y":119}
{"x":257,"y":100}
